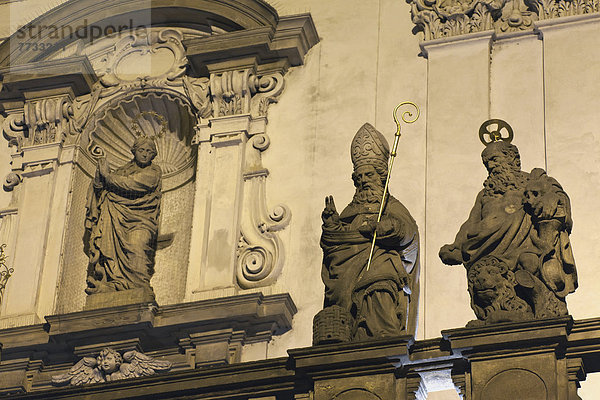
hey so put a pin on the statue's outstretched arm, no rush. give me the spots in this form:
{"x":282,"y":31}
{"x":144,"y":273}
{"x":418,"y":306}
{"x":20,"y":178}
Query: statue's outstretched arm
{"x":451,"y":254}
{"x":139,"y":182}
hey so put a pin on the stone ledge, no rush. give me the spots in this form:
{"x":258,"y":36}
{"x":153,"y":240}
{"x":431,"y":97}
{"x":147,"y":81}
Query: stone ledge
{"x":507,"y":336}
{"x":399,"y":361}
{"x":291,"y":40}
{"x":38,"y":75}
{"x":329,"y":359}
{"x":253,"y":317}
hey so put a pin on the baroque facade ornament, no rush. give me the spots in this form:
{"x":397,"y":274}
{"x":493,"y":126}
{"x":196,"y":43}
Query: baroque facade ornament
{"x":260,"y":250}
{"x":39,"y":121}
{"x":515,"y":244}
{"x":109,"y":366}
{"x":444,"y":18}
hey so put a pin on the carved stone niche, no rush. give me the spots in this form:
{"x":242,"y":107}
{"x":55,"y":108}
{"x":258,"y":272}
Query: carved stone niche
{"x":205,"y":77}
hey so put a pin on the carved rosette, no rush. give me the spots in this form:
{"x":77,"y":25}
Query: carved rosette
{"x":441,"y":18}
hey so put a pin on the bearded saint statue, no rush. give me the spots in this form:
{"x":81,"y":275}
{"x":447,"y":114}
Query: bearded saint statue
{"x":123,"y":207}
{"x":382,"y":300}
{"x":523,"y":220}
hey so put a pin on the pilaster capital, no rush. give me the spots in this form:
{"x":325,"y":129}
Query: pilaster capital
{"x":438,"y":19}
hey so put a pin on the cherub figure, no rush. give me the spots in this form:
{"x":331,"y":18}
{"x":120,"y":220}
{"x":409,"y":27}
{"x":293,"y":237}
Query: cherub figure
{"x":111,"y":366}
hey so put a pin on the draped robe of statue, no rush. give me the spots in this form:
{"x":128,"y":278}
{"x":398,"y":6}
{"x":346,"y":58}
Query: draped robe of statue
{"x":502,"y":227}
{"x":122,"y":217}
{"x":523,"y":220}
{"x":384,"y":299}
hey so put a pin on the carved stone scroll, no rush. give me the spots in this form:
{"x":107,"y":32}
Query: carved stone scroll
{"x":260,"y":250}
{"x":244,"y":92}
{"x":40,"y":121}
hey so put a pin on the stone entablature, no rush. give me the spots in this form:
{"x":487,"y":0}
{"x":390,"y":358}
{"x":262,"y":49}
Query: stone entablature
{"x":548,"y":358}
{"x":190,"y":335}
{"x":438,"y":19}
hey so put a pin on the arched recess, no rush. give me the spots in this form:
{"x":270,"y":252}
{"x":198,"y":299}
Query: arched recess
{"x":220,"y":64}
{"x":72,"y":16}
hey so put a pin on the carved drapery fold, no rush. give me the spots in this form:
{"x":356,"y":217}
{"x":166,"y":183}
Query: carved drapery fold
{"x":438,"y":19}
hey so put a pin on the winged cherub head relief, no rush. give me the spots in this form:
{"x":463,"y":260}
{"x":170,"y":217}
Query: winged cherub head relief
{"x":110,"y":365}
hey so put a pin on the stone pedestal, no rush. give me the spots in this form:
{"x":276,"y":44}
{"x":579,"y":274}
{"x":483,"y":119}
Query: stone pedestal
{"x":528,"y":360}
{"x":330,"y":367}
{"x":118,"y":298}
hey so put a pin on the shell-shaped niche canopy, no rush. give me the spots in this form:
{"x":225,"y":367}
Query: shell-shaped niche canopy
{"x":163,"y":117}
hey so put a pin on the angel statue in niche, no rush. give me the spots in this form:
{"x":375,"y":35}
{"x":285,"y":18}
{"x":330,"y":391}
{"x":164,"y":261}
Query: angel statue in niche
{"x":123,"y":209}
{"x":111,"y":366}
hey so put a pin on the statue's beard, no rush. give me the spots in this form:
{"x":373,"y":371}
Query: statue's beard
{"x":502,"y":179}
{"x":368,"y":195}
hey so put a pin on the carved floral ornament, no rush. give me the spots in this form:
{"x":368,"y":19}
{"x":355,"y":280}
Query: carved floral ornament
{"x":443,"y":18}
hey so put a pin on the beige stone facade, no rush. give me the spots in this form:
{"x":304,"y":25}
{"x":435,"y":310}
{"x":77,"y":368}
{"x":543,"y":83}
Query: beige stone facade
{"x":243,"y":197}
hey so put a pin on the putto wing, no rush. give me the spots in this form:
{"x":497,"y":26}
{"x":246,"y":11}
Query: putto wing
{"x":137,"y":364}
{"x":83,"y":372}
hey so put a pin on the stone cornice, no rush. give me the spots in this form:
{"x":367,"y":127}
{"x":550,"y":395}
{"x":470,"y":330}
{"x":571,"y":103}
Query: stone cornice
{"x":247,"y":312}
{"x":438,"y":19}
{"x":301,"y":372}
{"x":232,"y":14}
{"x":291,"y":40}
{"x":74,"y":72}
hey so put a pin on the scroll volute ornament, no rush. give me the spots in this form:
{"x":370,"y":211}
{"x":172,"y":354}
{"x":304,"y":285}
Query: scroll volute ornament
{"x":147,"y":57}
{"x":244,"y":92}
{"x":40,"y":121}
{"x":260,"y":254}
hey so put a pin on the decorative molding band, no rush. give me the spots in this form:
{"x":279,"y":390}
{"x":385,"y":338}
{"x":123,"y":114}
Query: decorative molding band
{"x":438,"y":19}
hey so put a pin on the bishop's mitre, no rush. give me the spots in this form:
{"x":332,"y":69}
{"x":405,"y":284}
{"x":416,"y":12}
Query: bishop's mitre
{"x":369,"y":147}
